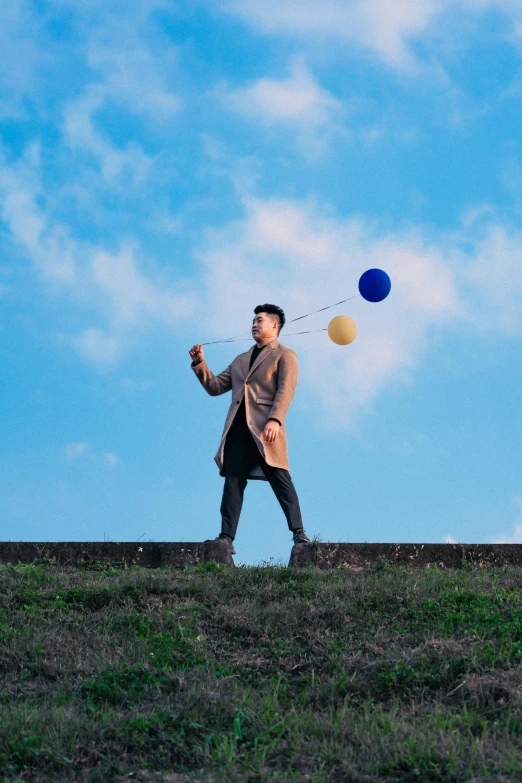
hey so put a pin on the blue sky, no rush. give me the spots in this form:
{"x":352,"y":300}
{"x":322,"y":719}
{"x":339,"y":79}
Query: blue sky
{"x":167,"y":166}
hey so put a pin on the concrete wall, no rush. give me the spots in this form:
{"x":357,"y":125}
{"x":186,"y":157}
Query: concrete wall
{"x":359,"y":556}
{"x":185,"y":554}
{"x":150,"y":555}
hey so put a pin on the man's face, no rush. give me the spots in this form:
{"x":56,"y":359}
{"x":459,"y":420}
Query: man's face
{"x":263,"y":327}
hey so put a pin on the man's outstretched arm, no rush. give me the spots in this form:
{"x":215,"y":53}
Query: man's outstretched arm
{"x":213,"y":384}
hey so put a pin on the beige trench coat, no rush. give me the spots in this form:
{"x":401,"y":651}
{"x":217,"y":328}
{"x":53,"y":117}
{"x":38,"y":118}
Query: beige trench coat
{"x":268,"y":388}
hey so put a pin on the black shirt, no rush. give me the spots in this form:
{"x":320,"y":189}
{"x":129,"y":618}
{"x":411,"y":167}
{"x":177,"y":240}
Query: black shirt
{"x":255,"y":353}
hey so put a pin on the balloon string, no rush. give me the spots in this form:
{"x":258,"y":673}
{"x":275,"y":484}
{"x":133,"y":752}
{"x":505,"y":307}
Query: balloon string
{"x":238,"y":337}
{"x":242,"y":339}
{"x":319,"y":311}
{"x":292,"y":334}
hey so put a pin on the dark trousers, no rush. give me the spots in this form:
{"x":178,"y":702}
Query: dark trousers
{"x":241,"y":455}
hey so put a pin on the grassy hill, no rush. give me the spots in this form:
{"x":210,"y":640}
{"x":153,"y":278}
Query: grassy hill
{"x":260,"y":674}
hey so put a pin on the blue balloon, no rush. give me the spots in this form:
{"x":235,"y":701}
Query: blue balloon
{"x":374,"y":285}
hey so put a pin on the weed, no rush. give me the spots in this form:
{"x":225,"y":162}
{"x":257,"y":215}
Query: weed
{"x":119,"y":685}
{"x":210,"y":568}
{"x":381,"y":564}
{"x":101,"y":564}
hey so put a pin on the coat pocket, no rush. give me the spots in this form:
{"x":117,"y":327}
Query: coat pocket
{"x":264,"y":401}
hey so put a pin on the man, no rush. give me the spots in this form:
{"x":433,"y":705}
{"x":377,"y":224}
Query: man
{"x":253,"y":444}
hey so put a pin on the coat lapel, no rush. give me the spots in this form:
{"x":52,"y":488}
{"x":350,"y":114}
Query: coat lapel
{"x":245,"y":361}
{"x":262,"y":356}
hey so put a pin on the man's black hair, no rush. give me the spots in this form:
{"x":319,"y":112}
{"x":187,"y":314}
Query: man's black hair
{"x":272,"y":309}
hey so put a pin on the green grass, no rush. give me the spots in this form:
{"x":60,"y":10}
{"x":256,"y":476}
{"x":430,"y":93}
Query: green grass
{"x":260,"y":674}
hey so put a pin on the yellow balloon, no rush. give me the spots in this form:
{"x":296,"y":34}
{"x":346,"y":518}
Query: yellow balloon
{"x":342,"y":330}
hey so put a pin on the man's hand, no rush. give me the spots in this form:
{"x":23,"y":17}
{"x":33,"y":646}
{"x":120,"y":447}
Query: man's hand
{"x":271,"y":430}
{"x":197,"y":353}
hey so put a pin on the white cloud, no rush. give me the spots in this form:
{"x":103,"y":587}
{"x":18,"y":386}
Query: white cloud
{"x":297,"y":103}
{"x":136,"y":75}
{"x":73,"y":450}
{"x":50,"y":246}
{"x":514,"y":538}
{"x":134,"y":66}
{"x":289,"y":253}
{"x":296,"y":255}
{"x":450,"y":540}
{"x":383,"y":27}
{"x":79,"y":449}
{"x":130,"y":163}
{"x":495,"y":276}
{"x":97,"y":347}
{"x":21,"y":57}
{"x":111,"y":459}
{"x":167,"y":222}
{"x":378,"y":25}
{"x":132,"y":298}
{"x":136,"y":63}
{"x":129,"y":300}
{"x":91,"y":277}
{"x":136,"y":387}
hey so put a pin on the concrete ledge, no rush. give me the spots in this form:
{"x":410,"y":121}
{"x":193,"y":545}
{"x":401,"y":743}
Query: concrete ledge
{"x":492,"y":554}
{"x":97,"y":553}
{"x":360,"y":556}
{"x":355,"y":557}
